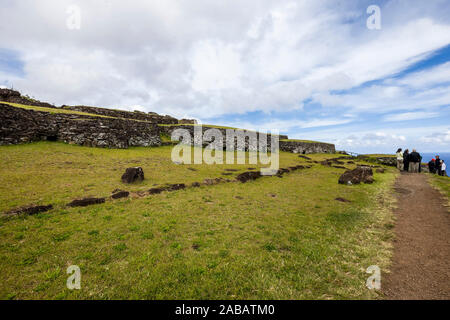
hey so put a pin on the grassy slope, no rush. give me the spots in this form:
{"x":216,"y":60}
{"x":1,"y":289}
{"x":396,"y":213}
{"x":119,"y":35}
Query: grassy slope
{"x":441,"y":183}
{"x":273,"y":238}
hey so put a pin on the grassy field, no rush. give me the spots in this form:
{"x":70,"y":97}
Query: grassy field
{"x":441,"y":183}
{"x":273,"y":238}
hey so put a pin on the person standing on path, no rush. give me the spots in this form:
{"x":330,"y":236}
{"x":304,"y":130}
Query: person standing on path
{"x":432,"y":166}
{"x":438,"y":165}
{"x":443,"y":168}
{"x":414,"y":161}
{"x":399,"y":155}
{"x":406,"y":160}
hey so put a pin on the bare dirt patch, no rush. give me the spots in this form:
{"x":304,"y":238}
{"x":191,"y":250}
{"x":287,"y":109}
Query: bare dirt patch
{"x":420,"y":267}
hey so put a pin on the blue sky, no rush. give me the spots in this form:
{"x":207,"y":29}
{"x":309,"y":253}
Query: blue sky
{"x":310,"y":69}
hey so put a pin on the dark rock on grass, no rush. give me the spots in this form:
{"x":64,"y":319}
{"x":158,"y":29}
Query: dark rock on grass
{"x":171,"y":187}
{"x":192,"y":169}
{"x":251,"y":168}
{"x":226,"y":173}
{"x":232,"y":170}
{"x":86,"y":202}
{"x":304,"y":157}
{"x":351,"y":162}
{"x":210,"y":182}
{"x":380,"y":170}
{"x":156,"y":190}
{"x":120,"y":194}
{"x":342,"y":200}
{"x":250,"y":175}
{"x":339,"y":167}
{"x":174,"y":187}
{"x":325,"y":163}
{"x":132,"y":175}
{"x":196,"y":184}
{"x":29,"y":210}
{"x":357,"y":176}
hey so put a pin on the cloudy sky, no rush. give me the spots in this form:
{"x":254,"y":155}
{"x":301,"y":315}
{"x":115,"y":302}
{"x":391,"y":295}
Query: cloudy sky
{"x":311,"y":69}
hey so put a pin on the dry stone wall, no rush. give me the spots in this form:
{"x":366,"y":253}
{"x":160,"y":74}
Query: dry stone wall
{"x":19,"y":125}
{"x":289,"y":146}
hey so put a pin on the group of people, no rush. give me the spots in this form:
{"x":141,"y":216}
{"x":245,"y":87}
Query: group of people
{"x":411,"y":162}
{"x":437,"y":166}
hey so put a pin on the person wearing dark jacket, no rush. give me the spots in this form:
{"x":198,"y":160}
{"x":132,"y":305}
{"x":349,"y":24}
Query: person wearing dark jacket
{"x":406,"y":160}
{"x":432,"y":166}
{"x":414,"y":161}
{"x":437,"y":165}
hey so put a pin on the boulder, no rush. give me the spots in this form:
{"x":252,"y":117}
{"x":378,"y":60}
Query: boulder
{"x":132,"y":175}
{"x":357,"y":176}
{"x":86,"y":202}
{"x":380,"y":170}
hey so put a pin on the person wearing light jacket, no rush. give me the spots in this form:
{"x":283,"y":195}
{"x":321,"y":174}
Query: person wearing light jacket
{"x":399,"y":156}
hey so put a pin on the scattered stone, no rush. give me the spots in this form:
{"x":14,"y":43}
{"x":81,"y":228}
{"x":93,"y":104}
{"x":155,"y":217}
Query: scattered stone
{"x":156,"y":190}
{"x":357,"y":176}
{"x":120,"y":194}
{"x":132,"y":175}
{"x":250,"y":175}
{"x":210,"y":182}
{"x":339,"y":167}
{"x":304,"y":157}
{"x":177,"y":186}
{"x":232,"y":170}
{"x":351,"y":162}
{"x":226,"y":173}
{"x":86,"y":202}
{"x":239,"y":197}
{"x":29,"y":210}
{"x":192,"y":169}
{"x":380,"y":170}
{"x":272,"y":195}
{"x":196,"y":184}
{"x":251,"y":168}
{"x":342,"y":200}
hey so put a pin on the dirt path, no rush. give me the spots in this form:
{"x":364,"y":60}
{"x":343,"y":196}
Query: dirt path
{"x":421,"y":262}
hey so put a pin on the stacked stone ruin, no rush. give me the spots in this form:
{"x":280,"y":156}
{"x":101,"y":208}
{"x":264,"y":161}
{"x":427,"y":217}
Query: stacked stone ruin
{"x":107,"y":128}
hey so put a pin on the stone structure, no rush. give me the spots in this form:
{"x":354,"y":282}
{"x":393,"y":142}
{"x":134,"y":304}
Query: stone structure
{"x":132,"y":175}
{"x":295,"y":146}
{"x":12,"y":96}
{"x":19,"y":125}
{"x":116,"y":128}
{"x":135,"y":115}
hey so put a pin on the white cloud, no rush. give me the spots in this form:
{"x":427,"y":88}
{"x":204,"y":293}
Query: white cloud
{"x":410,"y":116}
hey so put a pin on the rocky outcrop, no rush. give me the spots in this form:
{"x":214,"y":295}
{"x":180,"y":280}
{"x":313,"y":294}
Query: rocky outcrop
{"x":357,"y":176}
{"x":132,"y":175}
{"x":19,"y":125}
{"x":12,"y":96}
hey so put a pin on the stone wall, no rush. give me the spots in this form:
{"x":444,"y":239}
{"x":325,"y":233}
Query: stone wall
{"x":12,"y":96}
{"x":289,"y":146}
{"x":136,"y":115}
{"x":306,"y":147}
{"x":19,"y":125}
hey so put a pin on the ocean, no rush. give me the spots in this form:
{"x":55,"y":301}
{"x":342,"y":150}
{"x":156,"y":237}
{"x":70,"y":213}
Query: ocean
{"x":426,"y":157}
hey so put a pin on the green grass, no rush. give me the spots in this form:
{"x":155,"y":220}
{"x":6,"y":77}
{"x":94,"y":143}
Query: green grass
{"x":274,"y":238}
{"x":441,"y":183}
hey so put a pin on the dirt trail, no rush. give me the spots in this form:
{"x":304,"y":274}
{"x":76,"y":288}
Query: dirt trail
{"x":421,"y":261}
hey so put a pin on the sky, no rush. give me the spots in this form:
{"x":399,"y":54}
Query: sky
{"x":310,"y":69}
